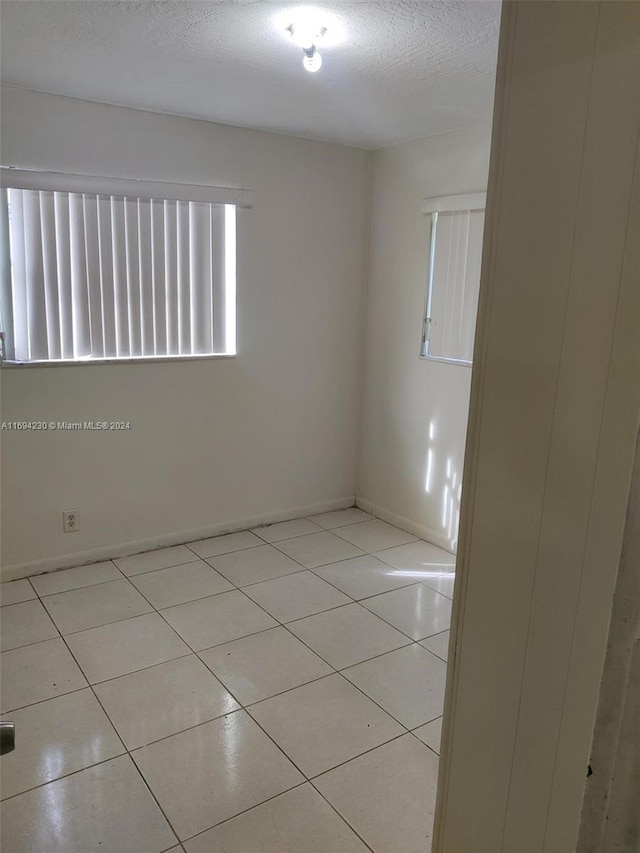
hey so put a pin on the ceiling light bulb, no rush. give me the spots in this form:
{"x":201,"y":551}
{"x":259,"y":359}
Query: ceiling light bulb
{"x":312,"y":60}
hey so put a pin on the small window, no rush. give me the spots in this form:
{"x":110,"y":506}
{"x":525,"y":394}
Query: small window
{"x":93,"y":276}
{"x":455,"y":254}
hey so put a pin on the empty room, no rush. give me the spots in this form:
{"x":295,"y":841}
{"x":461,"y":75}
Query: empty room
{"x":293,"y":303}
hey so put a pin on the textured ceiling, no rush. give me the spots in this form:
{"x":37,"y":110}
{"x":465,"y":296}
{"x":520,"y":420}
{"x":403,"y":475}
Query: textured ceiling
{"x":404,"y":69}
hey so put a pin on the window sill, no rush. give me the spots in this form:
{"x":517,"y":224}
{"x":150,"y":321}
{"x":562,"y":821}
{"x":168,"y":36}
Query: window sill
{"x":147,"y":359}
{"x":459,"y":361}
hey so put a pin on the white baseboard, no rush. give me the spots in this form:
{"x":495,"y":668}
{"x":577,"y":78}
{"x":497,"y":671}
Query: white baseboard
{"x":407,"y":524}
{"x":126,"y":549}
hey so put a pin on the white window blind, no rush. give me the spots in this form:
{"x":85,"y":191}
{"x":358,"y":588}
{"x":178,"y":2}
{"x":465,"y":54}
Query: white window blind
{"x":99,"y":276}
{"x":453,"y":282}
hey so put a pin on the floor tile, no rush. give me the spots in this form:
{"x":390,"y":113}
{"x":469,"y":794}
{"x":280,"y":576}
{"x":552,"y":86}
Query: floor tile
{"x":151,"y":560}
{"x":104,"y":809}
{"x":113,"y":650}
{"x":37,"y":672}
{"x":408,"y":683}
{"x":388,"y":795}
{"x":295,"y":596}
{"x":322,"y":724}
{"x":208,"y":774}
{"x":24,"y":623}
{"x":431,"y":734}
{"x":14,"y":592}
{"x":259,"y":666}
{"x":423,"y":562}
{"x":340,"y":518}
{"x":218,"y":619}
{"x":67,"y":579}
{"x":179,"y":584}
{"x":55,"y":738}
{"x":347,"y":635}
{"x":92,"y":606}
{"x":374,"y":535}
{"x":254,"y":565}
{"x":163,"y":700}
{"x":318,"y":549}
{"x":363,"y":576}
{"x":225,"y":544}
{"x":417,"y":611}
{"x":286,"y":529}
{"x":438,"y":644}
{"x":299,"y":821}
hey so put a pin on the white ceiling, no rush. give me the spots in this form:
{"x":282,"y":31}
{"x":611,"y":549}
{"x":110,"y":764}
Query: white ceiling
{"x":404,"y":69}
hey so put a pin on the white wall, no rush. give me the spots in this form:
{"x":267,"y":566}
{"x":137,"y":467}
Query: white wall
{"x":212,"y":443}
{"x":403,"y":394}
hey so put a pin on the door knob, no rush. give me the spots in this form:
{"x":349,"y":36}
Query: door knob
{"x":7,"y":737}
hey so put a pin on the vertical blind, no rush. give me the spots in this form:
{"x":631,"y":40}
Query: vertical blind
{"x":95,"y":276}
{"x":454,"y":282}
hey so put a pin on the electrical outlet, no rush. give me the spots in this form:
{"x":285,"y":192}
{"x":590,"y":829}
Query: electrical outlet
{"x":70,"y":520}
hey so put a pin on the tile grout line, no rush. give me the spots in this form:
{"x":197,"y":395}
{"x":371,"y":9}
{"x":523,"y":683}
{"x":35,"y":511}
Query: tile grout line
{"x":280,"y":624}
{"x":129,"y":753}
{"x":223,"y":592}
{"x":426,"y":723}
{"x":239,"y":589}
{"x":359,"y":755}
{"x":337,"y":672}
{"x":241,"y":706}
{"x":117,"y":733}
{"x":235,"y":698}
{"x":437,"y":754}
{"x":133,"y":761}
{"x":217,"y":646}
{"x":64,"y":776}
{"x":74,"y":588}
{"x":305,"y":781}
{"x":246,"y":711}
{"x":342,"y":817}
{"x":263,"y":541}
{"x":382,"y":619}
{"x":353,"y":600}
{"x":48,"y":699}
{"x":317,"y":569}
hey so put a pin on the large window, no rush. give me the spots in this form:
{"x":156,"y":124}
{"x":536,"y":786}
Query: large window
{"x":455,"y":254}
{"x":133,"y":272}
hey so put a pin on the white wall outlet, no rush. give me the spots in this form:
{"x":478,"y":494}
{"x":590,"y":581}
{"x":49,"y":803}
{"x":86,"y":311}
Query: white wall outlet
{"x":70,"y":520}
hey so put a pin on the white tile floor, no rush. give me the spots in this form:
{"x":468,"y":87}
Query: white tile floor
{"x":270,"y":691}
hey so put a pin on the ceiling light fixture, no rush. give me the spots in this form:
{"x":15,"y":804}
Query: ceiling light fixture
{"x":306,"y":32}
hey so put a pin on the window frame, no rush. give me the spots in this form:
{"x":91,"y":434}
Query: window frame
{"x":460,"y":203}
{"x":12,"y":177}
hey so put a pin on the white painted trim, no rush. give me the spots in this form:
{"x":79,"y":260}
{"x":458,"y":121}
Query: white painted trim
{"x":137,"y":546}
{"x":461,"y":362}
{"x":421,"y":530}
{"x":450,"y":203}
{"x":143,"y":359}
{"x":30,"y":179}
